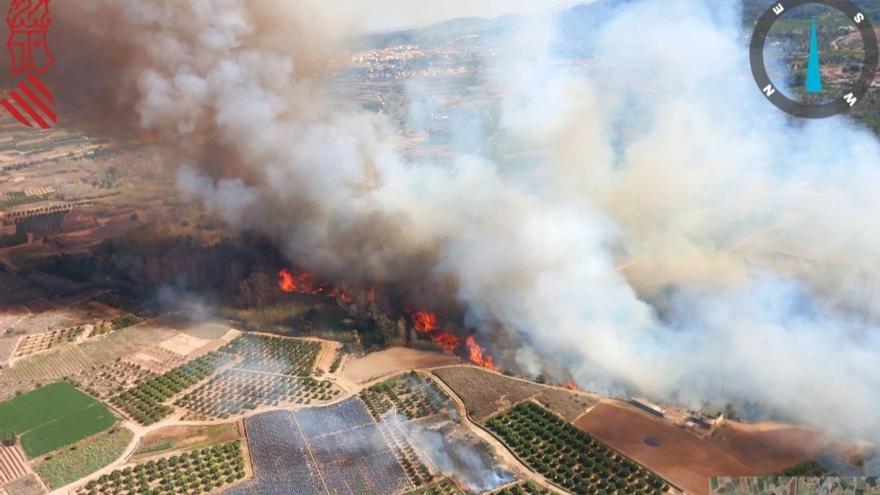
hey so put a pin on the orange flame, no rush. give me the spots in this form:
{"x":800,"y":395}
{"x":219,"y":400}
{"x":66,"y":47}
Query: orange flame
{"x":424,"y":321}
{"x":570,"y":385}
{"x":447,"y":341}
{"x":476,"y":355}
{"x":286,"y":282}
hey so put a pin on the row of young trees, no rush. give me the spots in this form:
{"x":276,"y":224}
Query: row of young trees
{"x":568,"y":456}
{"x":145,"y":402}
{"x":197,"y":471}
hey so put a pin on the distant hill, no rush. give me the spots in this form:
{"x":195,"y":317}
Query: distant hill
{"x":577,"y":24}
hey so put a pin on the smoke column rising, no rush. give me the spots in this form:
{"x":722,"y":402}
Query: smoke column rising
{"x":745,"y":237}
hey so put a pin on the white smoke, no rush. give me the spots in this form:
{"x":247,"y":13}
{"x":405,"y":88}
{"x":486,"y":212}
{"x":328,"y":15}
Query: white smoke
{"x":744,"y":236}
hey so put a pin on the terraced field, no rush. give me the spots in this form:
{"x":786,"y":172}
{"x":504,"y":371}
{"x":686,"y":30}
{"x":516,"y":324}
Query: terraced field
{"x":12,"y":464}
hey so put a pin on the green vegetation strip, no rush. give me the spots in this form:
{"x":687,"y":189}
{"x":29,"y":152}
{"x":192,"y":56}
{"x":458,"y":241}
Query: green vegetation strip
{"x":197,"y":471}
{"x":569,"y":457}
{"x":145,"y":402}
{"x":525,"y":488}
{"x":85,"y":458}
{"x":67,"y":430}
{"x":52,"y":417}
{"x":444,"y":487}
{"x":806,"y":469}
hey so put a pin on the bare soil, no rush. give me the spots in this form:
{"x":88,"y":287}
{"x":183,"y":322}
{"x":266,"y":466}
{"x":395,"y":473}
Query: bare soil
{"x":169,"y":439}
{"x":485,"y":393}
{"x":379,"y":364}
{"x":677,"y":455}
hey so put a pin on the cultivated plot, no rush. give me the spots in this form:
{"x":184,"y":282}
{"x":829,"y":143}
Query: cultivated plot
{"x":334,"y":450}
{"x":569,"y":457}
{"x":196,"y":471}
{"x":53,"y":416}
{"x":686,"y":460}
{"x":484,"y":393}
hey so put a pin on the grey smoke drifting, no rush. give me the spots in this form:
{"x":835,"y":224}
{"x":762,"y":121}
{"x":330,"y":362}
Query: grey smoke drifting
{"x":720,"y":253}
{"x":456,"y":452}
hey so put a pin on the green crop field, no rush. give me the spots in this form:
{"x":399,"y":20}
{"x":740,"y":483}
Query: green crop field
{"x":90,"y":455}
{"x":53,"y":416}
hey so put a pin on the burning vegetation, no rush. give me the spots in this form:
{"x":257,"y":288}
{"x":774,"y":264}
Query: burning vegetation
{"x":308,"y":283}
{"x":423,"y":322}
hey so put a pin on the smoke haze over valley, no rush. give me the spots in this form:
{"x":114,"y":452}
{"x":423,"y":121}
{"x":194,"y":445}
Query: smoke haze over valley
{"x":636,"y":214}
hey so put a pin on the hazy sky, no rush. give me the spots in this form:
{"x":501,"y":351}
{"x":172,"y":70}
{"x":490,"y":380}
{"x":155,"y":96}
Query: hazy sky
{"x":377,"y":15}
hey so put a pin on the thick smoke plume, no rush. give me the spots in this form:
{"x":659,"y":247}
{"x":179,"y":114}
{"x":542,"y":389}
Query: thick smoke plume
{"x":716,"y":252}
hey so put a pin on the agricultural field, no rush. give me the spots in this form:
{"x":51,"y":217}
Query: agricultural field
{"x":458,"y":453}
{"x":52,"y":417}
{"x":197,"y":471}
{"x":524,"y":488}
{"x":156,"y":360}
{"x":74,"y":360}
{"x":13,"y":465}
{"x":677,"y":455}
{"x":281,"y":459}
{"x":145,"y":403}
{"x":111,"y":379}
{"x":172,"y":439}
{"x":235,"y":391}
{"x":274,"y":354}
{"x":444,"y":487}
{"x":270,"y":371}
{"x":124,"y":344}
{"x":784,"y":485}
{"x":88,"y":456}
{"x":395,"y":436}
{"x":27,"y":485}
{"x":335,"y":449}
{"x":484,"y":393}
{"x":383,"y":363}
{"x":39,"y":342}
{"x":569,"y":457}
{"x":410,"y":395}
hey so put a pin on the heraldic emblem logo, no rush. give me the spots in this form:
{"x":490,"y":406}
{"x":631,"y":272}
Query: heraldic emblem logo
{"x":30,"y":101}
